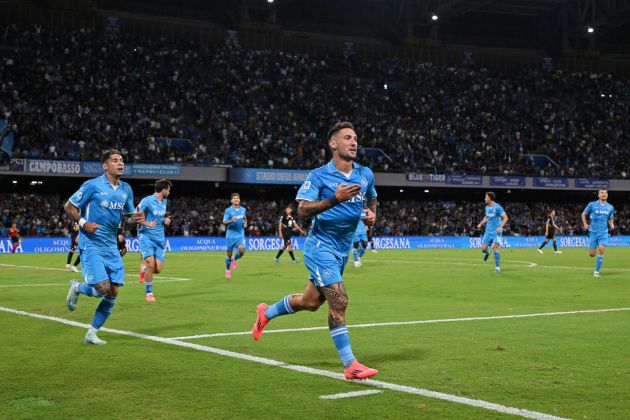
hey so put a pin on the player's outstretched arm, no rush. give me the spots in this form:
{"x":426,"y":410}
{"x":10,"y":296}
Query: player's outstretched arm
{"x":342,"y":194}
{"x":483,"y":222}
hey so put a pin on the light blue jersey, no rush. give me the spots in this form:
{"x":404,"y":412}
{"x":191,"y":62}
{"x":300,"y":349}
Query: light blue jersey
{"x":152,"y":239}
{"x":332,"y":231}
{"x":599,"y":214}
{"x":154,"y":211}
{"x":100,"y":202}
{"x":494,"y":215}
{"x":105,"y":205}
{"x":235,"y":229}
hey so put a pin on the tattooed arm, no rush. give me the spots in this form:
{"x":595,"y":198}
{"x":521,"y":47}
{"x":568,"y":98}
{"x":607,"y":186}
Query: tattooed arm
{"x":343,"y":193}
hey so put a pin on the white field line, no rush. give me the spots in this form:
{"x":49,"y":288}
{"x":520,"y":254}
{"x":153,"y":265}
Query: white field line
{"x":305,"y":369}
{"x":427,"y":321}
{"x":525,"y":264}
{"x":36,"y":267}
{"x":350,"y":394}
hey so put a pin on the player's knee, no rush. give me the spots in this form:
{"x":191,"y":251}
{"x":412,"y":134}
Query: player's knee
{"x":103,"y":288}
{"x":157,"y":269}
{"x":241,"y":250}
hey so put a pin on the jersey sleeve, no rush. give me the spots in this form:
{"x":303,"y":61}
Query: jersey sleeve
{"x":501,"y":210}
{"x":309,"y":191}
{"x":612,"y":213}
{"x":588,"y":209}
{"x":370,"y":194}
{"x":129,"y":207}
{"x":83,"y":195}
{"x":227,"y":216}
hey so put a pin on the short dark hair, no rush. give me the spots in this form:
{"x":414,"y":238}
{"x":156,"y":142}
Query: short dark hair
{"x":602,"y":189}
{"x":338,"y":127}
{"x":235,"y":194}
{"x":108,"y":153}
{"x":162,"y":184}
{"x":491,"y":195}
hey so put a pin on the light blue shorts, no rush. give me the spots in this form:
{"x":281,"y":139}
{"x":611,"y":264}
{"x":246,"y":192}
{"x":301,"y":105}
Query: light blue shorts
{"x":595,"y":239}
{"x":150,"y":247}
{"x":360,"y":237}
{"x":491,"y":237}
{"x":325,"y":267}
{"x":232,"y":243}
{"x":102,"y":265}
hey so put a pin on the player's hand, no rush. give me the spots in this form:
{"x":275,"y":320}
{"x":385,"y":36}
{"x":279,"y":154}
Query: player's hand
{"x":90,"y":227}
{"x":479,"y":226}
{"x":167,"y":220}
{"x":499,"y":229}
{"x":150,"y":224}
{"x":233,"y":219}
{"x":586,"y":226}
{"x":137,"y":217}
{"x":370,"y":218}
{"x":346,"y":192}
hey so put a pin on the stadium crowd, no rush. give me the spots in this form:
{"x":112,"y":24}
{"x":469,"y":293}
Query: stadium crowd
{"x":42,"y":215}
{"x":68,"y":95}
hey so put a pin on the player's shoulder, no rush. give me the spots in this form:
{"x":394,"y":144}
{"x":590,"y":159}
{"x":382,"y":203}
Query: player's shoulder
{"x":363,"y":169}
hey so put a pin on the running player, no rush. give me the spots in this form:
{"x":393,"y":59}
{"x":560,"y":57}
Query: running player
{"x":360,"y":241}
{"x":14,"y":234}
{"x":151,"y":234}
{"x":286,"y":226}
{"x":74,"y":242}
{"x":550,"y":233}
{"x":495,"y":220}
{"x":370,"y":236}
{"x":602,"y":215}
{"x":235,"y":219}
{"x":98,"y":207}
{"x":335,"y":193}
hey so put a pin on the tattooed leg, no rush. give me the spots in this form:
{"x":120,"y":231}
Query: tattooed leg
{"x":337,"y":299}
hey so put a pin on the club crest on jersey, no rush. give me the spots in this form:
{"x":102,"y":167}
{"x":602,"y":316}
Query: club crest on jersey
{"x":364,"y":181}
{"x":306,"y":185}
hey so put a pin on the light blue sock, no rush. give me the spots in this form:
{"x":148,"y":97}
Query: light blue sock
{"x":342,"y":343}
{"x":228,"y":261}
{"x":148,"y":287}
{"x":237,"y":256}
{"x":599,"y":262}
{"x":86,"y":289}
{"x":497,"y":258}
{"x":355,"y":254}
{"x":361,"y":251}
{"x":281,"y":307}
{"x":103,"y":310}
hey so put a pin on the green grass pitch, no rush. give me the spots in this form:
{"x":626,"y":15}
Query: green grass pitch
{"x":566,"y":365}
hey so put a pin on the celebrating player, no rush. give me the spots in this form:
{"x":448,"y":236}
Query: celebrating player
{"x":495,"y":220}
{"x":236,"y":221}
{"x":602,"y":215}
{"x":74,"y":242}
{"x":151,"y":234}
{"x":285,"y":231}
{"x":98,"y":207}
{"x":550,"y":233}
{"x":360,"y":242}
{"x":335,"y":193}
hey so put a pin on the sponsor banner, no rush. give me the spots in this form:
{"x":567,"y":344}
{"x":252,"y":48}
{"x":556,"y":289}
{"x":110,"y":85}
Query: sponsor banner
{"x":267,"y":176}
{"x":96,"y":168}
{"x":551,"y":182}
{"x":13,"y":165}
{"x":507,"y":181}
{"x":53,"y":167}
{"x":435,"y":177}
{"x":415,"y":176}
{"x":464,"y":179}
{"x":154,"y":169}
{"x":591,"y":183}
{"x":272,"y":243}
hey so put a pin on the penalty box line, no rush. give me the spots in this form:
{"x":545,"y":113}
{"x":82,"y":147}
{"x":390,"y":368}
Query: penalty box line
{"x":37,"y":267}
{"x":305,"y":369}
{"x":427,"y":321}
